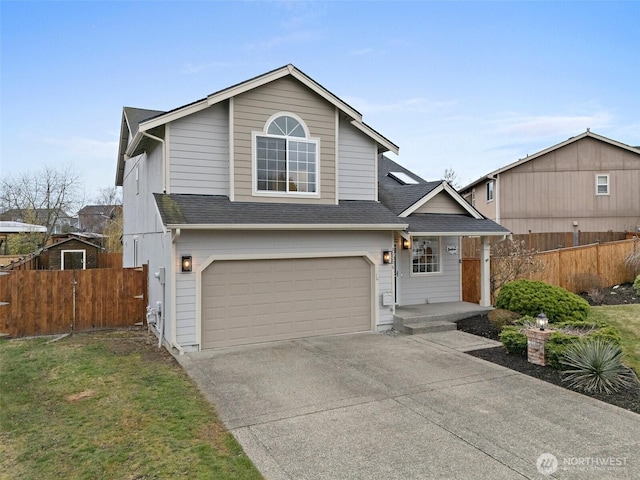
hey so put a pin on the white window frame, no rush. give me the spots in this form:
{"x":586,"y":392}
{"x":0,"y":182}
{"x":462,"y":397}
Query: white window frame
{"x":415,"y":242}
{"x":254,"y":158}
{"x":490,"y":190}
{"x":607,"y":184}
{"x":84,"y":258}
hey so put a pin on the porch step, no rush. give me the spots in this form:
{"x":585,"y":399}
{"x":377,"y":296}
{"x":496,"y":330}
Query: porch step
{"x":427,"y":326}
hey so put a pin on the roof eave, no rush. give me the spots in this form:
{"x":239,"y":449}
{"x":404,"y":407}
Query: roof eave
{"x":280,"y":226}
{"x":462,"y":233}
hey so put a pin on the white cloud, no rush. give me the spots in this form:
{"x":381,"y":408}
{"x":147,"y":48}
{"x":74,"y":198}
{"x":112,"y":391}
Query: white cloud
{"x":418,"y":104}
{"x":549,"y":125}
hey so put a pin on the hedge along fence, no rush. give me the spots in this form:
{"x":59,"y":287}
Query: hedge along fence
{"x":576,"y":269}
{"x":44,"y":302}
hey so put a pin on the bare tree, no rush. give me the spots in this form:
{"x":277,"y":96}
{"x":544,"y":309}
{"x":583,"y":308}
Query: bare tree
{"x":512,"y":260}
{"x":42,"y":197}
{"x":109,"y":196}
{"x":451,"y":177}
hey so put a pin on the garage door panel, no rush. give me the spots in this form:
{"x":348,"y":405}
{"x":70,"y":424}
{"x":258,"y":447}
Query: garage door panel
{"x":265,"y":300}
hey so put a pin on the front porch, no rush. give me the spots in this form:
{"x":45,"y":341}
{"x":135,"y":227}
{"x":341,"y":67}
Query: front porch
{"x":434,"y":317}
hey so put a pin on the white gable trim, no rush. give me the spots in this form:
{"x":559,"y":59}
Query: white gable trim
{"x":258,"y":82}
{"x":366,"y":129}
{"x":444,"y":186}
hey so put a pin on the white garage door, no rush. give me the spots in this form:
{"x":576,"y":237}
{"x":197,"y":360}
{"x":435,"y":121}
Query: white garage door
{"x":251,"y":301}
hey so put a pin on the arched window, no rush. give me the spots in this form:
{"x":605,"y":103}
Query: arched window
{"x":286,"y":158}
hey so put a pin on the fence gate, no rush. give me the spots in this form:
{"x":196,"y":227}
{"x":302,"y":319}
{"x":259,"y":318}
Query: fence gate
{"x":44,"y":302}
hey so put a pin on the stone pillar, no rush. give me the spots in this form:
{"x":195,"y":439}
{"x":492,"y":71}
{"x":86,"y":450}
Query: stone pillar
{"x":536,"y":339}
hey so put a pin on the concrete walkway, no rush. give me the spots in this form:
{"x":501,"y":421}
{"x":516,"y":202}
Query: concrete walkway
{"x":378,"y":406}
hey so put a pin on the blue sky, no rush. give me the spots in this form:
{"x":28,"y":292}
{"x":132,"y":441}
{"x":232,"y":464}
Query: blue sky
{"x":471,"y":86}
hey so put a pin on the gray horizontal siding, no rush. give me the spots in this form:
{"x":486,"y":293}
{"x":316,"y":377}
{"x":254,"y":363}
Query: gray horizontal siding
{"x":199,"y":152}
{"x":430,"y":288}
{"x":357,"y":154}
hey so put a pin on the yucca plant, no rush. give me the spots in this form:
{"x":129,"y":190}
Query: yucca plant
{"x":595,"y":365}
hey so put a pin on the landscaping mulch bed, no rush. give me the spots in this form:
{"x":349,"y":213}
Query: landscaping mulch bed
{"x":622,"y":294}
{"x":628,"y":399}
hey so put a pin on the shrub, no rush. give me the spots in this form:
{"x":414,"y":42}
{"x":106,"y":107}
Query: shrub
{"x":632,"y":260}
{"x":636,"y":284}
{"x":556,"y":347}
{"x":594,"y":365}
{"x":529,"y":297}
{"x":514,"y":340}
{"x":609,"y":334}
{"x":499,"y":318}
{"x":570,"y":332}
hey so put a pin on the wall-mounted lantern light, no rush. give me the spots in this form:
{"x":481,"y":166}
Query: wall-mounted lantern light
{"x":386,"y":256}
{"x":541,"y":321}
{"x":186,"y":263}
{"x":406,"y":244}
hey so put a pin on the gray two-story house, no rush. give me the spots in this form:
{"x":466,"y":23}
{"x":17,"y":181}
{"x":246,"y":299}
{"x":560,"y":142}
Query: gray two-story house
{"x":267,"y":211}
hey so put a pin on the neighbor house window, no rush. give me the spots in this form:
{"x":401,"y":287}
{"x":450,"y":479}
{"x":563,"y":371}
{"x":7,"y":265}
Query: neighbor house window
{"x":602,"y":184}
{"x":425,"y":254}
{"x":286,"y":158}
{"x":490,"y":191}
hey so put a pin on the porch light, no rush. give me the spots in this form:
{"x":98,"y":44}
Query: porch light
{"x":541,"y":321}
{"x":406,"y":244}
{"x":386,"y":256}
{"x":186,"y":263}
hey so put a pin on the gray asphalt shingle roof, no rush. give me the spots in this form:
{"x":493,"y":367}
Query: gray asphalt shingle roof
{"x":395,"y":196}
{"x":184,"y":209}
{"x":449,"y":223}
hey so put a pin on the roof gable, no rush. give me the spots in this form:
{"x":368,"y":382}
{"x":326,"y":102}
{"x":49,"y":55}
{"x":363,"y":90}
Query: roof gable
{"x":529,"y":158}
{"x":138,"y":122}
{"x":404,"y":198}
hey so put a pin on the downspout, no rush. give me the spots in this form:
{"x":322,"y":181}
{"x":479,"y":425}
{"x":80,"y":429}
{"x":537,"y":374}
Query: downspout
{"x":164,"y":159}
{"x":174,"y":335}
{"x":496,"y":195}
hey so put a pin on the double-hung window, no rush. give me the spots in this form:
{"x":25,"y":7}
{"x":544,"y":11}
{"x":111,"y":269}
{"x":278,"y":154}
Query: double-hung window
{"x":602,"y":184}
{"x":425,"y":254}
{"x":490,"y":187}
{"x":286,"y":158}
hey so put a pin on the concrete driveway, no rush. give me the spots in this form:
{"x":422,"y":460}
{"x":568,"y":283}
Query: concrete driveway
{"x":375,"y":406}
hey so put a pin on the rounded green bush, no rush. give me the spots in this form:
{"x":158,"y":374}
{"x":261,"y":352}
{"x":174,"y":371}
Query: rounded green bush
{"x":530,"y":297}
{"x":514,"y":340}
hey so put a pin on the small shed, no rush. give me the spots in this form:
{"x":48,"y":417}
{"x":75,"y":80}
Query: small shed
{"x":69,"y":254}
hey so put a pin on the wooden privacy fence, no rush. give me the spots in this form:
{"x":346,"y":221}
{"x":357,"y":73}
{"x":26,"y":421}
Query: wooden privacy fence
{"x":44,"y":302}
{"x":576,"y":269}
{"x":541,"y":242}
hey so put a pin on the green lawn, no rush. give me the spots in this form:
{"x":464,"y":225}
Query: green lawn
{"x":107,"y":405}
{"x":626,"y":318}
